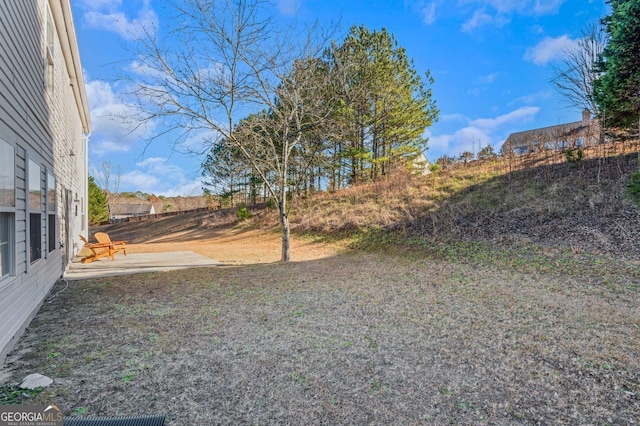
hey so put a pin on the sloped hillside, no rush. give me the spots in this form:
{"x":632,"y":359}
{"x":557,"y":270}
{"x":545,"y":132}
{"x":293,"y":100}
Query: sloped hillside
{"x":579,"y":206}
{"x":542,"y":200}
{"x":144,"y":231}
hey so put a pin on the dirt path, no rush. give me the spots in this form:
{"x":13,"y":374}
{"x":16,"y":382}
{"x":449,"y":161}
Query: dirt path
{"x":237,"y":246}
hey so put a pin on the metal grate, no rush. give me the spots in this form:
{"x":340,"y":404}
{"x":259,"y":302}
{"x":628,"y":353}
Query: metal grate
{"x":115,"y":421}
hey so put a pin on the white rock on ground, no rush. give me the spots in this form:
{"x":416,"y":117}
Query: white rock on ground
{"x":33,"y":381}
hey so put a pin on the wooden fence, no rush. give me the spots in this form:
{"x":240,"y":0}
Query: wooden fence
{"x":142,"y":218}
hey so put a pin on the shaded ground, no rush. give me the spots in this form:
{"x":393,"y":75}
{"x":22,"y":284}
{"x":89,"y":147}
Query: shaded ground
{"x":349,"y":339}
{"x":576,"y":208}
{"x":514,"y":302}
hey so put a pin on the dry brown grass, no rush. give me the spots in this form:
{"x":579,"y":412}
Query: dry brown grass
{"x":396,"y":198}
{"x":350,"y":339}
{"x":481,"y":298}
{"x":541,"y":199}
{"x":239,"y":245}
{"x":538,"y":198}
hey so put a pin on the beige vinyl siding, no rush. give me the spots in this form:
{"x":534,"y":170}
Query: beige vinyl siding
{"x":23,"y":68}
{"x":21,"y":211}
{"x":24,"y":123}
{"x":42,"y":122}
{"x":68,"y":134}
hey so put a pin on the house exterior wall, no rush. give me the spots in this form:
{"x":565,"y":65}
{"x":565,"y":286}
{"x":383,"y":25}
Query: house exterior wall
{"x":563,"y":136}
{"x":124,"y":211}
{"x":70,"y":148}
{"x":41,"y":123}
{"x":541,"y":140}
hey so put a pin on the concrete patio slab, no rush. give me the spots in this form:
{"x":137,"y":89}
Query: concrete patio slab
{"x":138,"y":263}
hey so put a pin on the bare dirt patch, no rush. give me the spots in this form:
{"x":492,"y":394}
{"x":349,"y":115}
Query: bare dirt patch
{"x":347,"y":339}
{"x":237,"y":245}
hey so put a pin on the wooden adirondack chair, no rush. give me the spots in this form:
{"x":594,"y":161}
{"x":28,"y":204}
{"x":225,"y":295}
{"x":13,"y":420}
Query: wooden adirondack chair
{"x":103,"y":238}
{"x":98,"y":250}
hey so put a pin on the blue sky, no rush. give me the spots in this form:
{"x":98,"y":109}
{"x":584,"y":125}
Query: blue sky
{"x":491,"y":61}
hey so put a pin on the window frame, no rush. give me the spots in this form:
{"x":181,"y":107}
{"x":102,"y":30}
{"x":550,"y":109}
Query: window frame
{"x":49,"y":54}
{"x":31,"y":211}
{"x":10,"y":211}
{"x":51,"y":200}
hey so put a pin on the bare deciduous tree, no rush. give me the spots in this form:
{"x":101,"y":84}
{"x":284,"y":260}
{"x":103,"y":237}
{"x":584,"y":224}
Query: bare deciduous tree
{"x":109,"y":181}
{"x":227,"y":60}
{"x":575,"y":76}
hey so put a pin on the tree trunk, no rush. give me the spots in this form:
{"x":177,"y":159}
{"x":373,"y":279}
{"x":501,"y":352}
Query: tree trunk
{"x":286,"y":234}
{"x":282,"y":208}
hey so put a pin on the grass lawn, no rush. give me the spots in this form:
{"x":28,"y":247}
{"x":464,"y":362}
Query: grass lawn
{"x":350,"y":339}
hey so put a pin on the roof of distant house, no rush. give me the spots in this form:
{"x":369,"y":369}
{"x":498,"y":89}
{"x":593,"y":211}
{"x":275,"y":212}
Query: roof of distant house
{"x":558,"y":131}
{"x":132,"y":209}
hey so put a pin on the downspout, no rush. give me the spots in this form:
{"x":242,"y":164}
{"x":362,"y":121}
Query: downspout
{"x":85,"y":223}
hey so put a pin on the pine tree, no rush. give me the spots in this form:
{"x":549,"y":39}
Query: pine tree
{"x":617,"y":90}
{"x":98,"y":211}
{"x":225,"y":171}
{"x":387,"y":105}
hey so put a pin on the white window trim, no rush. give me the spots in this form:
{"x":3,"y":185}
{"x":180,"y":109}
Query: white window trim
{"x":30,"y":210}
{"x":50,"y":210}
{"x":12,"y":210}
{"x":49,"y":47}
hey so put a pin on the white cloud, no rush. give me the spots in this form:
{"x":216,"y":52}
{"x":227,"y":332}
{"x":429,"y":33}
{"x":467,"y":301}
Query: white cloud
{"x":452,"y":117}
{"x":468,"y":138}
{"x":478,"y":133}
{"x":548,"y":49}
{"x":200,"y":142}
{"x":160,"y":166}
{"x":288,"y":7}
{"x":101,"y":4}
{"x":152,"y":162}
{"x":155,"y":175}
{"x":499,"y":12}
{"x":440,"y":143}
{"x":139,"y":180}
{"x":192,"y":188}
{"x":429,"y":13}
{"x":476,"y":91}
{"x":114,"y":130}
{"x":488,"y":79}
{"x":478,"y":19}
{"x":525,"y":7}
{"x":545,"y":7}
{"x":534,"y":97}
{"x":522,"y":114}
{"x":103,"y":147}
{"x":483,"y":81}
{"x":143,"y":70}
{"x":107,"y":15}
{"x":536,"y":29}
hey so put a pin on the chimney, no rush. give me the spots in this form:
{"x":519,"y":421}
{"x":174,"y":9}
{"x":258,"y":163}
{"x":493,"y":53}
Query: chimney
{"x":586,"y":117}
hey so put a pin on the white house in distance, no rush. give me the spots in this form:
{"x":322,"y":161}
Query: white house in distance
{"x":125,"y":210}
{"x":44,"y":128}
{"x":562,"y":136}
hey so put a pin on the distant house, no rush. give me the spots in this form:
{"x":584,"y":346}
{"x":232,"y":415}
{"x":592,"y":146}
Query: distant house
{"x":420,"y":165}
{"x":124,"y":210}
{"x":562,"y":136}
{"x":44,"y":128}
